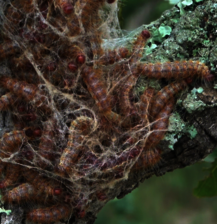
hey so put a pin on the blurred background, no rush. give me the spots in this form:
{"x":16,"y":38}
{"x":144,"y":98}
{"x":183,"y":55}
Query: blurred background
{"x":168,"y":199}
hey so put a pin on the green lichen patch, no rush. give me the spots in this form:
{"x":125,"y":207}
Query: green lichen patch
{"x":2,"y":210}
{"x":191,"y":103}
{"x":177,"y":128}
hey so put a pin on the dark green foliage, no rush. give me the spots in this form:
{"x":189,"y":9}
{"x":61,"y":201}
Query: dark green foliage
{"x":208,"y":187}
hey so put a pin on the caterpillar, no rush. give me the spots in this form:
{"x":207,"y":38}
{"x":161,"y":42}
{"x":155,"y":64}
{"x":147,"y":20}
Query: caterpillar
{"x":112,"y":56}
{"x":138,"y":46}
{"x":177,"y":70}
{"x":159,"y":126}
{"x":97,"y":88}
{"x":11,"y":141}
{"x":6,"y":101}
{"x":148,"y":159}
{"x":79,"y":127}
{"x":164,"y":95}
{"x":51,"y":214}
{"x":28,"y":91}
{"x":46,"y":145}
{"x":21,"y":193}
{"x":42,"y":184}
{"x":126,"y":106}
{"x":12,"y":175}
{"x":145,"y":105}
{"x":91,"y":8}
{"x":8,"y":48}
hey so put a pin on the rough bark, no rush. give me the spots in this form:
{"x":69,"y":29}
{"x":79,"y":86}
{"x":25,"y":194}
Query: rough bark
{"x":193,"y":37}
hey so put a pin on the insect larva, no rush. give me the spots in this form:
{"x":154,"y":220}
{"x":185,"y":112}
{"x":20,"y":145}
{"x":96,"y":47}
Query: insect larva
{"x":164,"y":95}
{"x":125,"y":104}
{"x":114,"y":117}
{"x":7,"y":49}
{"x":177,"y":70}
{"x":20,"y":88}
{"x":91,"y":8}
{"x":148,"y":159}
{"x":27,"y":91}
{"x":42,"y":184}
{"x":159,"y":126}
{"x":23,"y":192}
{"x":145,"y":104}
{"x":7,"y":100}
{"x":12,"y":175}
{"x":51,"y":214}
{"x":46,"y":146}
{"x":138,"y":46}
{"x":112,"y":56}
{"x":11,"y":141}
{"x":97,"y":88}
{"x":96,"y":48}
{"x":79,"y":127}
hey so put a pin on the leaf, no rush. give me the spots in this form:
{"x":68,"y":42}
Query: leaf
{"x":208,"y":186}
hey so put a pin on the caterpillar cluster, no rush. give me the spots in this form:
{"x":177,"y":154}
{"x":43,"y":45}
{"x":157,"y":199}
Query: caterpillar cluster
{"x":78,"y":125}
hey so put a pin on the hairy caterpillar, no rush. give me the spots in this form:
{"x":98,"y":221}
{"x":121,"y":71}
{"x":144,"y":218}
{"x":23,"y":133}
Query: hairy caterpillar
{"x":51,"y":214}
{"x":178,"y":70}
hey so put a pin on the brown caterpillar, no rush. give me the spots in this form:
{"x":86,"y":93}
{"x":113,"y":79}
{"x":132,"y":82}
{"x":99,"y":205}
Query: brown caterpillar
{"x":178,"y":70}
{"x":23,"y":192}
{"x":28,"y":91}
{"x":46,"y":145}
{"x":159,"y":126}
{"x":51,"y":214}
{"x":148,"y":159}
{"x":11,"y":141}
{"x":164,"y":95}
{"x":125,"y":105}
{"x":8,"y":49}
{"x":138,"y":46}
{"x":91,"y":8}
{"x":12,"y":175}
{"x":79,"y":127}
{"x":7,"y":100}
{"x":42,"y":184}
{"x":145,"y":104}
{"x":112,"y":56}
{"x":97,"y":88}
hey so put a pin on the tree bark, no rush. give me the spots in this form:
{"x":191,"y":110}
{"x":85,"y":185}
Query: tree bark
{"x":193,"y":36}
